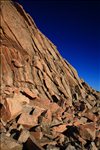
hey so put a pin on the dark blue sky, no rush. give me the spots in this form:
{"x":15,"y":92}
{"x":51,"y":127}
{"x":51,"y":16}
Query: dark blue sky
{"x":74,"y":27}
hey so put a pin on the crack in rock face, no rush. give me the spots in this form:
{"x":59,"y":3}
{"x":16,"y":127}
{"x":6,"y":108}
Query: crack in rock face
{"x":44,"y":104}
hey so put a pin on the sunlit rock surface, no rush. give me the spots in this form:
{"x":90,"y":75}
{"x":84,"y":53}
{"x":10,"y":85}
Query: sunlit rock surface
{"x":42,"y":96}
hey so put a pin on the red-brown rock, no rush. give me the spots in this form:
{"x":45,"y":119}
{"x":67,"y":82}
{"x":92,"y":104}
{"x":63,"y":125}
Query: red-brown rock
{"x":37,"y":135}
{"x":88,"y":131}
{"x":41,"y":92}
{"x":28,"y":121}
{"x":59,"y":129}
{"x":28,"y":93}
{"x":24,"y":135}
{"x":13,"y":107}
{"x":90,"y":116}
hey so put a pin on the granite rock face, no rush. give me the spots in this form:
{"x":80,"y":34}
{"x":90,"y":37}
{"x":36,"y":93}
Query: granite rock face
{"x":43,"y":103}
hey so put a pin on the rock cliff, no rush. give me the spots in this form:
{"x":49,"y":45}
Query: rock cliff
{"x":44,"y":104}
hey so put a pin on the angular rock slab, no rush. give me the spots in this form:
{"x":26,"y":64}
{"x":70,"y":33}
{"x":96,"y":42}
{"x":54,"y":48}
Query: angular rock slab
{"x":7,"y":143}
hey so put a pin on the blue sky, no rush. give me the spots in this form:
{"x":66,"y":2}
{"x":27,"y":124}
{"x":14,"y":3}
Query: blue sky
{"x":74,"y":27}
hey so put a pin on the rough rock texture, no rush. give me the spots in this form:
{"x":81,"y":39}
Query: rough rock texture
{"x":43,"y":103}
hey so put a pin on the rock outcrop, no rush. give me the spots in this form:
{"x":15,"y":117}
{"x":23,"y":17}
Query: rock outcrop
{"x":43,"y":103}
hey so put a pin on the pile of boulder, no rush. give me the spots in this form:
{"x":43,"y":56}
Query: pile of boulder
{"x":44,"y":105}
{"x":29,"y":122}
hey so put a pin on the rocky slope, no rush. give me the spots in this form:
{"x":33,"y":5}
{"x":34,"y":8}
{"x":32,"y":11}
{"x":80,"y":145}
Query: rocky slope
{"x":43,"y":103}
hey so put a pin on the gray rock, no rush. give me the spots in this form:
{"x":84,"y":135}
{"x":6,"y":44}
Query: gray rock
{"x":52,"y":147}
{"x":70,"y":147}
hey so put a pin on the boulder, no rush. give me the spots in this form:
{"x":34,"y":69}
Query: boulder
{"x":24,"y":135}
{"x":7,"y":143}
{"x":43,"y":103}
{"x":13,"y":107}
{"x":59,"y":128}
{"x":88,"y":131}
{"x":37,"y":135}
{"x":28,"y":121}
{"x":88,"y":114}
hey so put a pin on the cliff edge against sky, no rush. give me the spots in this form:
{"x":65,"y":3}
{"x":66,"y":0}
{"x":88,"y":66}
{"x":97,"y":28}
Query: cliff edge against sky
{"x":44,"y":103}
